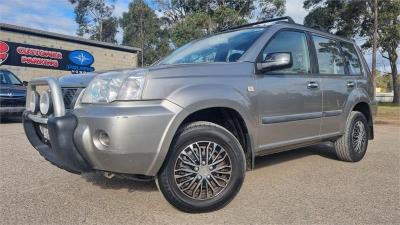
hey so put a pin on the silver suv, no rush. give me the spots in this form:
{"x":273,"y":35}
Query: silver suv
{"x":197,"y":119}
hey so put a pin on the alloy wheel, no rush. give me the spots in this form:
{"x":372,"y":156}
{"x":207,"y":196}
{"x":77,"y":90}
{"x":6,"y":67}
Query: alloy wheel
{"x":359,"y":136}
{"x":202,"y":170}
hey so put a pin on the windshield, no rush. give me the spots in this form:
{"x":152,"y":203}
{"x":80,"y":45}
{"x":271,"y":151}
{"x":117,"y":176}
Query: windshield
{"x":8,"y":78}
{"x":225,"y":47}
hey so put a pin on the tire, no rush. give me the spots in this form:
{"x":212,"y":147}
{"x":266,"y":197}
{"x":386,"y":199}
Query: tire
{"x":347,"y":149}
{"x":225,"y":154}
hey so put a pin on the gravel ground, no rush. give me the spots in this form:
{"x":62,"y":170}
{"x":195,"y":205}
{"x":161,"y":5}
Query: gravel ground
{"x":304,"y":186}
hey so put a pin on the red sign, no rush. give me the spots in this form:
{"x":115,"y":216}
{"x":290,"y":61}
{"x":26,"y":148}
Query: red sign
{"x":4,"y":48}
{"x":39,"y":53}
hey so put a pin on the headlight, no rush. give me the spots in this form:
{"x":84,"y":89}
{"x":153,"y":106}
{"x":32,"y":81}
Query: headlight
{"x":113,"y":86}
{"x":45,"y":103}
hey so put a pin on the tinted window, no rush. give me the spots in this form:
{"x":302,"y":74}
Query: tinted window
{"x":295,"y":43}
{"x":225,"y":47}
{"x":8,"y":78}
{"x":352,"y":60}
{"x":330,"y":59}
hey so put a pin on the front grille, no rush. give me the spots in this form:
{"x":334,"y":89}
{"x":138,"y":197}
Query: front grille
{"x":69,"y":96}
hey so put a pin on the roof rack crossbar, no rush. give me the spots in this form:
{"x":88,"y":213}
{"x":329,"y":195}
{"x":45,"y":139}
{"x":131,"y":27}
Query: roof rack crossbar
{"x":288,"y":18}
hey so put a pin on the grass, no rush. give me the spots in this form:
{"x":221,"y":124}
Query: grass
{"x":388,"y":113}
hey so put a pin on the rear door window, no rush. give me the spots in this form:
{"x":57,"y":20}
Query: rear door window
{"x":330,"y":60}
{"x":352,"y":59}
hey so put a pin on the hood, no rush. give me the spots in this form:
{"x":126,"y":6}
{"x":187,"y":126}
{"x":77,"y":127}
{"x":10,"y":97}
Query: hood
{"x":76,"y":80}
{"x":83,"y":80}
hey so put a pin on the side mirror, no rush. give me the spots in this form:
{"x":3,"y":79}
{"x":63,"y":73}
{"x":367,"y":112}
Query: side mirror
{"x":25,"y":83}
{"x":276,"y":61}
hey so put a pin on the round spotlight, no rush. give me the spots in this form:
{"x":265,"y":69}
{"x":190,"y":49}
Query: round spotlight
{"x":34,"y":102}
{"x":45,"y":103}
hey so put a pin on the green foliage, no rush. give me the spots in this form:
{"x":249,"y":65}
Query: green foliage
{"x":197,"y":25}
{"x":194,"y":26}
{"x":191,"y":21}
{"x":384,"y":82}
{"x":176,"y":10}
{"x":142,"y":28}
{"x":94,"y":17}
{"x":271,"y":8}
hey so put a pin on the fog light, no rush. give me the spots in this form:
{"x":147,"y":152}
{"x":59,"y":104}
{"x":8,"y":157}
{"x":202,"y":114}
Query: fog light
{"x":45,"y":103}
{"x":34,"y":102}
{"x":104,"y":139}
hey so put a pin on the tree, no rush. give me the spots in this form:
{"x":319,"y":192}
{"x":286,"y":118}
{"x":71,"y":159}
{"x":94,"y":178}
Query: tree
{"x":271,"y":8}
{"x":194,"y":26}
{"x":94,"y":17}
{"x":189,"y":19}
{"x":141,"y":27}
{"x":384,"y":82}
{"x":176,"y":10}
{"x":354,"y":19}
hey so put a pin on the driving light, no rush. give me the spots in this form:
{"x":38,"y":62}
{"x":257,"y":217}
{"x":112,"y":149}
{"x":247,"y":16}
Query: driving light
{"x":34,"y":102}
{"x":45,"y":103}
{"x":114,"y":86}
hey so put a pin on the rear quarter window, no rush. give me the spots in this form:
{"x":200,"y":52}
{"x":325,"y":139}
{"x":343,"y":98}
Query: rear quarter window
{"x":330,"y":59}
{"x":352,"y":58}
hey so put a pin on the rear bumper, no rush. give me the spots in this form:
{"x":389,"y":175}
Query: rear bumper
{"x":61,"y":150}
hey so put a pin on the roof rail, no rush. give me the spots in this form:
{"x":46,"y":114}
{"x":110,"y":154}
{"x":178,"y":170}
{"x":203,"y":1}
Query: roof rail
{"x":288,"y":18}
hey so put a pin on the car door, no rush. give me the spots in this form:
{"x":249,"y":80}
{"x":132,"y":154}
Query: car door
{"x":289,"y":100}
{"x":336,"y":82}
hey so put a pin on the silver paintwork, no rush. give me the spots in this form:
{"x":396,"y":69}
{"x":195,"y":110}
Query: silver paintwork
{"x":280,"y":112}
{"x":202,"y":170}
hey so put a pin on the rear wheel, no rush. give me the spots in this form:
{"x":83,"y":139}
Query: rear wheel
{"x":204,"y":170}
{"x":352,"y":146}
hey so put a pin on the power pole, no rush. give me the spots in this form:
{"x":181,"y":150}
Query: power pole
{"x":141,"y":33}
{"x":374,"y":39}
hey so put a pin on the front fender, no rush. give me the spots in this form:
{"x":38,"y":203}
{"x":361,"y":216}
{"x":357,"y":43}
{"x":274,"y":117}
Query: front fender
{"x":193,"y":98}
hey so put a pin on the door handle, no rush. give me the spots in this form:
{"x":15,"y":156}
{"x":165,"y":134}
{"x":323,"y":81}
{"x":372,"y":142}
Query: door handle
{"x":350,"y":84}
{"x":312,"y":85}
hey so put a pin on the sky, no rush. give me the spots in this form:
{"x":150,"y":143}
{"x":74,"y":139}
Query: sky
{"x":58,"y":16}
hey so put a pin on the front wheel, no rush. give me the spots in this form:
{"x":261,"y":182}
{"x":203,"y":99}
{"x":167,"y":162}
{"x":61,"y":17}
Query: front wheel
{"x":352,"y":146}
{"x":204,"y":170}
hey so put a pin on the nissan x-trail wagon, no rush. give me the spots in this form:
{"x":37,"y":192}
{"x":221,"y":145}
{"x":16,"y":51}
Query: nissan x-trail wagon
{"x":196,"y":120}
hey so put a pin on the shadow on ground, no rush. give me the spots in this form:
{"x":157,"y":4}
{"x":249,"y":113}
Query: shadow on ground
{"x":324,"y":150}
{"x":97,"y":178}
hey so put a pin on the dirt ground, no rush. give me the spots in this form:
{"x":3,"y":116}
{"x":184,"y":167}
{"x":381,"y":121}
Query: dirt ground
{"x":304,"y":186}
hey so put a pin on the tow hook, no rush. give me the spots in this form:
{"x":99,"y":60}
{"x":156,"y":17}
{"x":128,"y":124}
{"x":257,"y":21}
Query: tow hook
{"x":109,"y":175}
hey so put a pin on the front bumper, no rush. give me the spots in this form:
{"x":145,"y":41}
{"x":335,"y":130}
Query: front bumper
{"x":60,"y":150}
{"x":136,"y":131}
{"x":139,"y":132}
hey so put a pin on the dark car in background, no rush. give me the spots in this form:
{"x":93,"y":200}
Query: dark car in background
{"x":12,"y":94}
